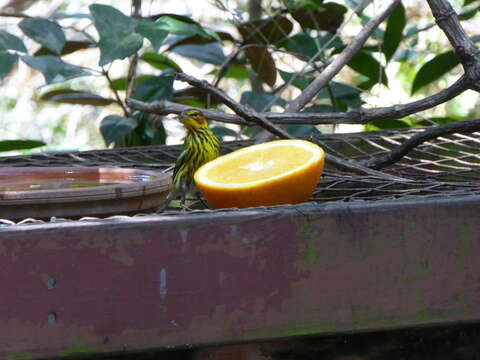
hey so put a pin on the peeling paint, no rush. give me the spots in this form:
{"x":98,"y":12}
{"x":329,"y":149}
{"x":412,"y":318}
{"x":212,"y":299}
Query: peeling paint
{"x":163,"y":283}
{"x":184,"y":234}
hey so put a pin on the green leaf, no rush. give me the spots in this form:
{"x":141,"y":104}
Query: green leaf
{"x":438,"y":121}
{"x":394,"y":31}
{"x":53,"y":68}
{"x":211,"y":53}
{"x":10,"y":145}
{"x":319,"y":109}
{"x":118,"y":38}
{"x":301,"y":45}
{"x":328,"y":18}
{"x":11,"y":42}
{"x":68,"y":48}
{"x":175,"y":41}
{"x":153,"y":31}
{"x":304,"y":46}
{"x":299,"y":81}
{"x":468,"y":13}
{"x":468,"y":2}
{"x":121,"y":83}
{"x":386,"y":124}
{"x":340,"y":90}
{"x":434,"y":69}
{"x":221,"y":131}
{"x":7,"y":61}
{"x":154,"y":88}
{"x":302,"y":130}
{"x":196,"y":97}
{"x":261,"y":101}
{"x":182,"y":25}
{"x":368,"y":66}
{"x":234,"y":72}
{"x":114,"y":127}
{"x":68,"y":96}
{"x":45,"y":32}
{"x":160,"y":61}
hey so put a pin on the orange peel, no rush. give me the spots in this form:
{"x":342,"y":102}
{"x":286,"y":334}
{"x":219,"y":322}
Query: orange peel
{"x":272,"y":173}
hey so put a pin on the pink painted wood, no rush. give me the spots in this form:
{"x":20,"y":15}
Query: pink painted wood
{"x":231,"y":276}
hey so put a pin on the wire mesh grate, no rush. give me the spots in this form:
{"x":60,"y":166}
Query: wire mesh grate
{"x":446,"y":166}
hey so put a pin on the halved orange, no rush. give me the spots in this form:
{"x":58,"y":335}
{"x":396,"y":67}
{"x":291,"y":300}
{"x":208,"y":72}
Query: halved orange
{"x":272,"y":173}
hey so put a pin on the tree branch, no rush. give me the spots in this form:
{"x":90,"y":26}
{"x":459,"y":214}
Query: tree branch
{"x":340,"y":61}
{"x":396,"y":154}
{"x":241,"y":110}
{"x":358,"y":116}
{"x":468,"y":54}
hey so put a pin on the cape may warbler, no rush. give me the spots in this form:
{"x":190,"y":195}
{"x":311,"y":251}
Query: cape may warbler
{"x":199,"y":147}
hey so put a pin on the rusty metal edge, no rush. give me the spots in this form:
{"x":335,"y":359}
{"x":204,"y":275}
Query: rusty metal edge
{"x":309,"y":210}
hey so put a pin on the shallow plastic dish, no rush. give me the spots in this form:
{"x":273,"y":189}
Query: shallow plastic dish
{"x":73,"y":192}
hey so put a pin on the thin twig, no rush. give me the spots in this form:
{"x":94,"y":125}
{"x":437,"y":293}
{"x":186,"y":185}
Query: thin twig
{"x":340,"y":61}
{"x":115,"y":92}
{"x":241,"y":110}
{"x":396,"y":154}
{"x":15,"y":15}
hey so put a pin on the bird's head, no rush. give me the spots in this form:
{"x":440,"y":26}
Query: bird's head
{"x":193,"y":119}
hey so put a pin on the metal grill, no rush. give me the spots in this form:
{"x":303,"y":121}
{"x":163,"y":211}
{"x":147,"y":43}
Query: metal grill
{"x":447,"y":166}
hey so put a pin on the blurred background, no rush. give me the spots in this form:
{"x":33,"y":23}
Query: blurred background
{"x":407,"y":58}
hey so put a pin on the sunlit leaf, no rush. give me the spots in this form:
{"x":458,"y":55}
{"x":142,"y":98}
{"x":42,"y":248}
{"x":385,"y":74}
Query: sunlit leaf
{"x":7,"y":61}
{"x":153,"y":31}
{"x":11,"y":42}
{"x":114,"y":127}
{"x":53,"y":68}
{"x":118,"y":38}
{"x":394,"y":31}
{"x":434,"y":69}
{"x":10,"y":145}
{"x":45,"y":32}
